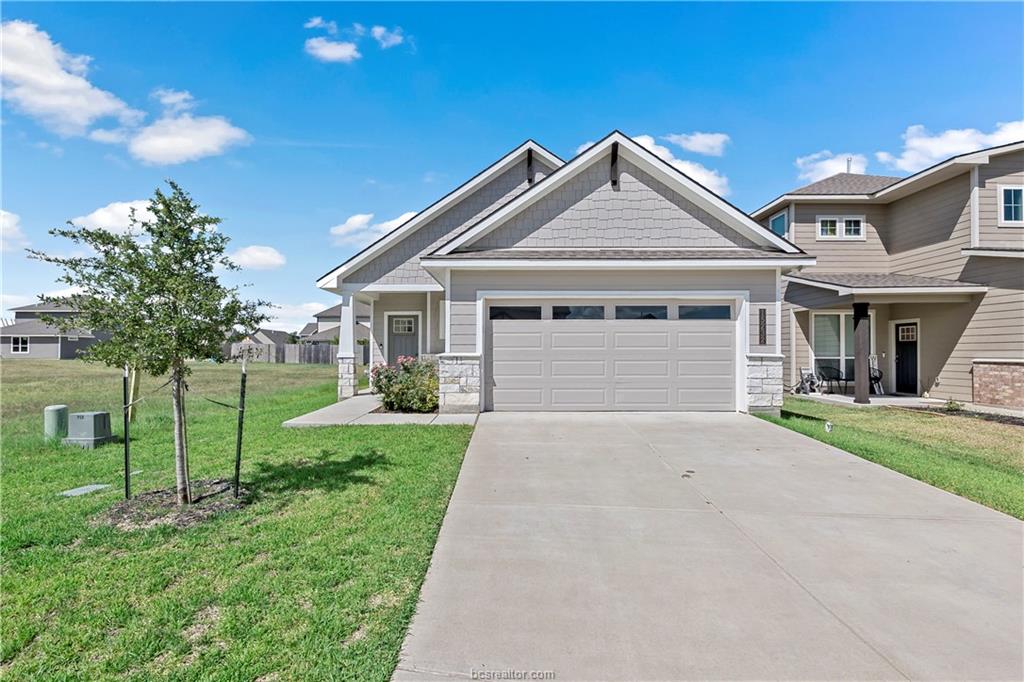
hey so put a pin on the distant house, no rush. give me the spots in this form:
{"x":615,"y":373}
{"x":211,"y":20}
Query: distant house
{"x":328,"y":324}
{"x":30,"y":337}
{"x":308,"y":330}
{"x":273,"y":337}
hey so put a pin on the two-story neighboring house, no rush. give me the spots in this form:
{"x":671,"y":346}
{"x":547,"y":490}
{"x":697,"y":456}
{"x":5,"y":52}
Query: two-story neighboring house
{"x":29,"y":337}
{"x":929,"y":269}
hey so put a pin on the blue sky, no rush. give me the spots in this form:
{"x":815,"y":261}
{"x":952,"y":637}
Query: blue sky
{"x":287,"y":127}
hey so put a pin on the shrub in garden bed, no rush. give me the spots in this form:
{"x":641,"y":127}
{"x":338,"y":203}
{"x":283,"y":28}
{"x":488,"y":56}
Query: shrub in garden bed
{"x":409,"y":385}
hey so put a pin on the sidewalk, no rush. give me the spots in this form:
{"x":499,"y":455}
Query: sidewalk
{"x":359,"y":409}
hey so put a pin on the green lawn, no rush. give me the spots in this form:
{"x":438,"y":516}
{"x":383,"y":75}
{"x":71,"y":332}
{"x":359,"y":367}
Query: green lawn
{"x":980,"y":460}
{"x":316,"y":579}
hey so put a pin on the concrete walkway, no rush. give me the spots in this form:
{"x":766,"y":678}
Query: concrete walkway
{"x":668,"y":547}
{"x":359,"y":409}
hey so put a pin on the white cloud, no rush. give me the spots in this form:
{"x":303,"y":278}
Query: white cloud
{"x":584,"y":147}
{"x":291,"y":317}
{"x":258,"y":257}
{"x":44,"y":81}
{"x":177,"y":139}
{"x":318,"y":22}
{"x":332,"y":50}
{"x":12,"y":237}
{"x":922,"y":149}
{"x":712,"y":179}
{"x":360,"y":228}
{"x":109,"y":135}
{"x":116,"y":216}
{"x":709,"y":144}
{"x":174,"y":101}
{"x":386,"y":38}
{"x":823,"y":164}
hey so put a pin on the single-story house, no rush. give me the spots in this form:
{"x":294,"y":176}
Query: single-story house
{"x":609,"y":282}
{"x":30,"y":337}
{"x":273,"y":337}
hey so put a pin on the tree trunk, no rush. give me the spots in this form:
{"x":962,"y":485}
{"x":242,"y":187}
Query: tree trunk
{"x":180,"y":446}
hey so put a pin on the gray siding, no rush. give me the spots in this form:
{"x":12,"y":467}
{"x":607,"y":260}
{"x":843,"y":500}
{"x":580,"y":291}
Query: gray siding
{"x":1007,"y":169}
{"x":466,"y":284}
{"x":400,"y":263}
{"x":842,"y":255}
{"x":588,"y":212}
{"x":406,"y":302}
{"x":39,"y":347}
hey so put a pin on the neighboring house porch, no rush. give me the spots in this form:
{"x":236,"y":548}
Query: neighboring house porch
{"x":903,"y":327}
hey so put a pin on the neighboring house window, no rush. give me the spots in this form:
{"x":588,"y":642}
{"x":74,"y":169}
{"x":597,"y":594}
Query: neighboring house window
{"x":779,"y":223}
{"x":19,"y":344}
{"x":832,"y":341}
{"x":841,"y":227}
{"x":1011,"y":205}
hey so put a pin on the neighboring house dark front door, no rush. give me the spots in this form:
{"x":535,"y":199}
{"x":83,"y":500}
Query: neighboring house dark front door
{"x":403,"y":337}
{"x":906,"y":358}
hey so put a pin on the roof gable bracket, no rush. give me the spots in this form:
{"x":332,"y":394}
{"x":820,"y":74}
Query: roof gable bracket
{"x":529,"y":167}
{"x":615,"y":165}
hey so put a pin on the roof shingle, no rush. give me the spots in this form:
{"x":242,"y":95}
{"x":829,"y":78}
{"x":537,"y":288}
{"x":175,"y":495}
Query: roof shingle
{"x":848,"y":183}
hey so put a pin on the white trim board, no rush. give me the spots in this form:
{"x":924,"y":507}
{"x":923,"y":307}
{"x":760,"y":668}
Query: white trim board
{"x":847,"y":290}
{"x":992,"y":253}
{"x":631,"y":150}
{"x":329,"y":281}
{"x":625,"y":264}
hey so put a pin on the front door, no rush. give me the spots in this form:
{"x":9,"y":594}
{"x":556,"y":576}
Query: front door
{"x":403,"y":337}
{"x":906,"y":358}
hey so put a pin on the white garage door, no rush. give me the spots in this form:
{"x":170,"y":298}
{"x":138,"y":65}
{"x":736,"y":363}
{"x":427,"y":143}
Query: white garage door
{"x":605,"y":356}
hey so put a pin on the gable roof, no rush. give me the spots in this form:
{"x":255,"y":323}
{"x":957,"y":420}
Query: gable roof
{"x":309,"y":328}
{"x":35,"y":327}
{"x":896,"y":189}
{"x":439,"y":207}
{"x":663,"y":171}
{"x":276,"y":336}
{"x":848,"y":183}
{"x":45,"y":308}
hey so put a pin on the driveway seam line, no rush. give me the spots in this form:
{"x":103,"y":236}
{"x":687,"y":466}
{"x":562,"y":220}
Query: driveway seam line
{"x":768,"y":554}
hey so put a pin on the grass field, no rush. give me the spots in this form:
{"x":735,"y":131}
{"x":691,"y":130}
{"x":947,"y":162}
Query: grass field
{"x":980,"y":460}
{"x":316,"y":579}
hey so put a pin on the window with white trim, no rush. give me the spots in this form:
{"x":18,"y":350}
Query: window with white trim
{"x":1011,"y":205}
{"x":840,"y":227}
{"x":832,"y":341}
{"x":19,"y":344}
{"x":403,"y":326}
{"x":779,"y":223}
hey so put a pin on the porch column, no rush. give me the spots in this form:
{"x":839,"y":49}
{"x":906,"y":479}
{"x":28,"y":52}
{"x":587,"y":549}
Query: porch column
{"x":861,"y":350}
{"x":346,"y":348}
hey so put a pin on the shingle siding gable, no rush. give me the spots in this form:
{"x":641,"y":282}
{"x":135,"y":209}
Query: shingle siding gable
{"x":400,"y":263}
{"x":587,"y":212}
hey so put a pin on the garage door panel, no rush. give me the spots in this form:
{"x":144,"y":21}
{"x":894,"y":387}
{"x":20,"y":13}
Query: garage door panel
{"x":625,"y":369}
{"x":640,"y":340}
{"x":575,"y":398}
{"x":574,"y":340}
{"x":579,"y":368}
{"x":597,"y":365}
{"x":519,"y":368}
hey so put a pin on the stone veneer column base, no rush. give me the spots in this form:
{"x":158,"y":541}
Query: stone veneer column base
{"x":764,"y":383}
{"x":346,"y":377}
{"x":458,"y":383}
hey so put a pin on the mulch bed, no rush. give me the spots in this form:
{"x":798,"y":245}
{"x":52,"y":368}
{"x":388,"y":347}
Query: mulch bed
{"x":380,"y":410}
{"x":984,"y":416}
{"x":160,"y":507}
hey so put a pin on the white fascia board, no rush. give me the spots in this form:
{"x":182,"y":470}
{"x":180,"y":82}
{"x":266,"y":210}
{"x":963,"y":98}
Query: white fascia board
{"x":704,"y":198}
{"x":624,"y":264}
{"x":992,"y":253}
{"x":390,"y":288}
{"x":775,"y":206}
{"x":861,"y":291}
{"x":329,"y":281}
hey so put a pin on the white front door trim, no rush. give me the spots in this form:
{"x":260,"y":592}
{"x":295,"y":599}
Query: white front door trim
{"x":892,"y":351}
{"x":403,"y":313}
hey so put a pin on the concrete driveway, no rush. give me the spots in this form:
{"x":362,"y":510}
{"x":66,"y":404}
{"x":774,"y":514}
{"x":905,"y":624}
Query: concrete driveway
{"x":668,"y":546}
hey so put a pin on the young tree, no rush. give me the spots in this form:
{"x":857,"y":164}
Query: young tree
{"x":154,"y":295}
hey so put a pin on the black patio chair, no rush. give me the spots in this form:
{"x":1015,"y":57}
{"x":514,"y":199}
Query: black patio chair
{"x":876,"y":381}
{"x":831,"y":377}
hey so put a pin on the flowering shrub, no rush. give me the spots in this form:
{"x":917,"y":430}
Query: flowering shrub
{"x":409,"y":385}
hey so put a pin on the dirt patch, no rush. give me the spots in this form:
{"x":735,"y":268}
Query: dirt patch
{"x":984,"y":416}
{"x":356,"y":636}
{"x":160,"y":507}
